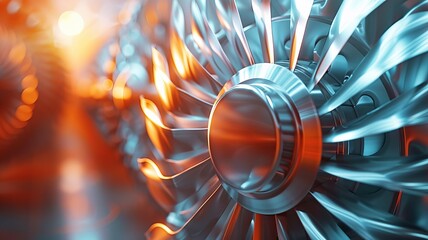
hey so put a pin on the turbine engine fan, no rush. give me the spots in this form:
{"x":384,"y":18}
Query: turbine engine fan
{"x":290,"y":120}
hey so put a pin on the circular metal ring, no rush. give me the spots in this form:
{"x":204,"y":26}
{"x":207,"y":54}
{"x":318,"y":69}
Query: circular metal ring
{"x":264,"y":138}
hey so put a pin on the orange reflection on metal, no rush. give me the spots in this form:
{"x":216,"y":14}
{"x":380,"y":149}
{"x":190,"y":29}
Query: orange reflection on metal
{"x":163,"y":227}
{"x":150,"y":169}
{"x":199,"y":40}
{"x":179,"y":56}
{"x":151,"y":112}
{"x":161,"y":77}
{"x":156,"y":130}
{"x":121,"y":92}
{"x":415,"y":134}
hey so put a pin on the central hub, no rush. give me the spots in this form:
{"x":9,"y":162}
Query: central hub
{"x":245,"y":137}
{"x":264,"y":139}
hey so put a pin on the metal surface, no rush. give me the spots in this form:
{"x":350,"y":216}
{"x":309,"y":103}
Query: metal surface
{"x":288,"y":119}
{"x":264,"y":138}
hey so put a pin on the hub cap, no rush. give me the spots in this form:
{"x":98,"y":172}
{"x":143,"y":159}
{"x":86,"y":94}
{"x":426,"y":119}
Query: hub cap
{"x":265,"y":139}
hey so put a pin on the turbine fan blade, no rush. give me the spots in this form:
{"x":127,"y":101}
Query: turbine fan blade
{"x":344,"y":24}
{"x":220,"y":227}
{"x":185,"y":186}
{"x":318,"y":223}
{"x":405,"y":39}
{"x":230,"y":20}
{"x":172,"y":143}
{"x":262,"y":15}
{"x":300,"y":11}
{"x":200,"y":224}
{"x":263,"y":227}
{"x":289,"y":226}
{"x":198,"y":81}
{"x":209,"y":44}
{"x":366,"y":221}
{"x":408,"y":174}
{"x":173,"y":98}
{"x":406,"y":110}
{"x":238,"y":224}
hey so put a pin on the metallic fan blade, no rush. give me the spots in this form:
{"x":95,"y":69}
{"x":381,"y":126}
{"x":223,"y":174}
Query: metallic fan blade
{"x":317,"y":230}
{"x":408,"y":174}
{"x":421,"y":7}
{"x":230,"y":20}
{"x":412,"y":73}
{"x":208,"y":43}
{"x":263,"y":227}
{"x":219,"y":229}
{"x":238,"y":224}
{"x":187,"y":185}
{"x":318,"y":223}
{"x":406,"y":110}
{"x":263,"y":19}
{"x":198,"y":80}
{"x":407,"y":38}
{"x":289,"y":226}
{"x":200,"y":224}
{"x":173,"y":143}
{"x":180,"y":194}
{"x":300,"y":11}
{"x":365,"y":220}
{"x":281,"y":7}
{"x":344,"y":24}
{"x":173,"y":98}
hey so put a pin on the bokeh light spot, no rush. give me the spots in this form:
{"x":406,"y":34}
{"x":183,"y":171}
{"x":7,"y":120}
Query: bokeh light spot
{"x":71,"y":23}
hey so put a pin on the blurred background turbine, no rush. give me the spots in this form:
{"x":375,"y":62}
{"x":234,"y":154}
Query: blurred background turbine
{"x":32,"y":78}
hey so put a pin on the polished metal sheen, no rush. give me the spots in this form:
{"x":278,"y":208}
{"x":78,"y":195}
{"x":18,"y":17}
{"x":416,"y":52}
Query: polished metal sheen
{"x":286,"y":119}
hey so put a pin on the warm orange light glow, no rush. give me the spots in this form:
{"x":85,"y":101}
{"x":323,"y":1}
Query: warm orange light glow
{"x":151,"y":112}
{"x":71,"y":176}
{"x":163,"y":227}
{"x":107,"y":84}
{"x":24,"y":113}
{"x":71,"y":23}
{"x":156,"y":130}
{"x":29,"y":96}
{"x":96,"y":92}
{"x":152,"y":18}
{"x":122,"y":93}
{"x":17,"y":53}
{"x":29,"y":81}
{"x":109,"y":66}
{"x":199,"y":40}
{"x":18,"y":124}
{"x":179,"y":56}
{"x":161,"y":84}
{"x":161,"y":77}
{"x":150,"y":169}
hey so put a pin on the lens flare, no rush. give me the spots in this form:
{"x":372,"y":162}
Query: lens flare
{"x":71,"y":23}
